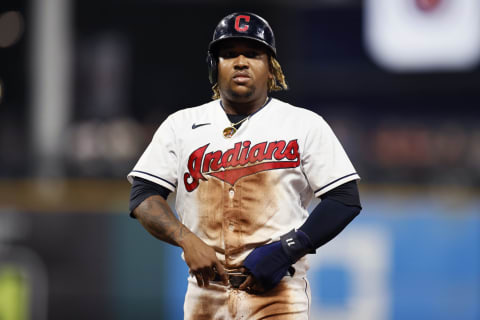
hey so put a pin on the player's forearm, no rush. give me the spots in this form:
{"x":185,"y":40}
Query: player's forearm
{"x":155,"y":215}
{"x":327,"y":220}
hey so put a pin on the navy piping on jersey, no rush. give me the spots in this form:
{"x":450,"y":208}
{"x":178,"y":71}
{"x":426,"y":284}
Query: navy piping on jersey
{"x":152,"y":175}
{"x":348,"y":175}
{"x":250,"y":115}
{"x":308,"y":298}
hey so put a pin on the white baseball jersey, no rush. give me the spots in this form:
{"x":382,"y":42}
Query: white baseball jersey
{"x":241,"y":192}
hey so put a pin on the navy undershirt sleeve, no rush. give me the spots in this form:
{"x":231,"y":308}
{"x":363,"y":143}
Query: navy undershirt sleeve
{"x":346,"y":193}
{"x":142,"y":189}
{"x":336,"y":210}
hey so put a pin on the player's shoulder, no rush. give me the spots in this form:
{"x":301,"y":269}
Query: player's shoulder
{"x":295,"y":112}
{"x":189,"y":113}
{"x":185,"y":112}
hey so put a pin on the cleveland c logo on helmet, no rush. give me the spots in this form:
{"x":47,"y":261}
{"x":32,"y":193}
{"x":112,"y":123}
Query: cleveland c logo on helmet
{"x":237,"y":23}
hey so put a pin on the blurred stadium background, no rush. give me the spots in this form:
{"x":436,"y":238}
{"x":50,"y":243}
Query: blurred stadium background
{"x":84,"y":84}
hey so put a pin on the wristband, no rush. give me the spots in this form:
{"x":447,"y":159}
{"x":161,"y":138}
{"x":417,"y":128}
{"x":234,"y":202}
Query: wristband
{"x":296,"y":244}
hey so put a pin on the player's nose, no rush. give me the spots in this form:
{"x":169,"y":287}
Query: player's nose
{"x":241,"y":62}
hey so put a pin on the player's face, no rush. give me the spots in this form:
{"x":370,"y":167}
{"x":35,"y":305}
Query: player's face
{"x":243,"y":70}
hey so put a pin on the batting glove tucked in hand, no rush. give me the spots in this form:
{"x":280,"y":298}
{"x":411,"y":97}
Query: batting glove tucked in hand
{"x":270,"y":263}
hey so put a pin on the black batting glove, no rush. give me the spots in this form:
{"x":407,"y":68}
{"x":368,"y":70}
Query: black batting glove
{"x":271,"y":262}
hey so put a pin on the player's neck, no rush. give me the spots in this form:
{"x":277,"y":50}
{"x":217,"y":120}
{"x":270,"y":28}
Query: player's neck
{"x":243,"y":108}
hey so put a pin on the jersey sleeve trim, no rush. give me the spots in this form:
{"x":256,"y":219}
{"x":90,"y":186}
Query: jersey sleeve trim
{"x":335,"y":183}
{"x":163,"y":182}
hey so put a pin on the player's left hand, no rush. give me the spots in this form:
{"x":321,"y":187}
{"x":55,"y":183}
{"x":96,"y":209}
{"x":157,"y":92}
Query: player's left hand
{"x":267,"y":265}
{"x":251,"y":285}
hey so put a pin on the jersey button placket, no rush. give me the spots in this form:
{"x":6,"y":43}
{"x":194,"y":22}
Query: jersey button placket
{"x":229,"y":223}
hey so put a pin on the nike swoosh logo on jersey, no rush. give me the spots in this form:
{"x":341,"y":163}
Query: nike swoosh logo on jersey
{"x":195,"y":126}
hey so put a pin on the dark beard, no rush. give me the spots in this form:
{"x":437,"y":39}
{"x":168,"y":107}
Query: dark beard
{"x":237,"y":95}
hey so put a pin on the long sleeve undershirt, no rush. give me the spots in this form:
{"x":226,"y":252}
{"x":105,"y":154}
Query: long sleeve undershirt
{"x":337,"y":209}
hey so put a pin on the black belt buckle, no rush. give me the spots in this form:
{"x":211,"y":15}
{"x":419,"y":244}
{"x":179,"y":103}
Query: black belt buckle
{"x":236,"y":279}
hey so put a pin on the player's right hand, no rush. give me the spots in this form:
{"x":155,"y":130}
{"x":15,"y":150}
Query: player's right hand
{"x":202,"y":260}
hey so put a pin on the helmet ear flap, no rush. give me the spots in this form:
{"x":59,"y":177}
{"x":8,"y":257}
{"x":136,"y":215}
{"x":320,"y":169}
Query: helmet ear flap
{"x":212,"y":68}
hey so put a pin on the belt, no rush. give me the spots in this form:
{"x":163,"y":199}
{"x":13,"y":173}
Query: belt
{"x":236,"y":278}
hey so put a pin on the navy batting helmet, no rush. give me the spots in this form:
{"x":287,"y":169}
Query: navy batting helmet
{"x":239,"y":25}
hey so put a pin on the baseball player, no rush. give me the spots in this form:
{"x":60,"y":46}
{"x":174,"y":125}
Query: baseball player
{"x":245,"y":167}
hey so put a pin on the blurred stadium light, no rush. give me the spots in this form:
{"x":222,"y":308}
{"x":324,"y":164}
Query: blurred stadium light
{"x":11,"y":28}
{"x":423,"y":35}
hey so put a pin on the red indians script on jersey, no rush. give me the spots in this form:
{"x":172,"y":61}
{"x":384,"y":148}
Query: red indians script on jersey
{"x":240,"y":161}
